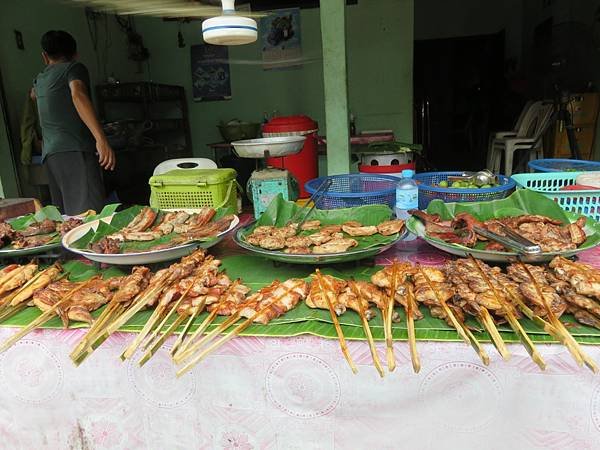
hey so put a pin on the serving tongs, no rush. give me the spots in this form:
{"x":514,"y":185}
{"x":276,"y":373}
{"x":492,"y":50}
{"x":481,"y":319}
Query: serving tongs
{"x":317,"y":195}
{"x":511,"y":240}
{"x":480,"y":178}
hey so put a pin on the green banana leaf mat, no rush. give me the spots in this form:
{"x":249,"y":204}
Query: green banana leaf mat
{"x":257,"y":272}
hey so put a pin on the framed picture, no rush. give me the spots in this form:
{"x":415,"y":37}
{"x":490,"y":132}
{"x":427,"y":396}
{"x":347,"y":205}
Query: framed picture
{"x":211,"y":78}
{"x":281,"y":39}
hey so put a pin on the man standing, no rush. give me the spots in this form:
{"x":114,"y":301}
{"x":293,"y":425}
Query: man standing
{"x":71,"y":132}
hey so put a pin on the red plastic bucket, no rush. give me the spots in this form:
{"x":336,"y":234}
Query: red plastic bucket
{"x":304,"y":165}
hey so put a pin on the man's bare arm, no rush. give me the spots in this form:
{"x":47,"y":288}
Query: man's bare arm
{"x":86,"y":112}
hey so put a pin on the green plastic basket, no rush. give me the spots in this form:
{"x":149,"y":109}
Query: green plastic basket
{"x":194,"y":188}
{"x":549,"y":184}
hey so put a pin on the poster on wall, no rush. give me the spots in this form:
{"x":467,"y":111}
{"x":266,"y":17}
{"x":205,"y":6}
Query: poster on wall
{"x":280,"y":38}
{"x":211,"y":79}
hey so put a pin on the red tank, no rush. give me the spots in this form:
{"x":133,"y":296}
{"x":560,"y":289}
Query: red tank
{"x":305,"y":164}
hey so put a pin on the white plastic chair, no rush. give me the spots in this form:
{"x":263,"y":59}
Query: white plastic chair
{"x":184,"y":163}
{"x":528,"y":111}
{"x":529,"y":138}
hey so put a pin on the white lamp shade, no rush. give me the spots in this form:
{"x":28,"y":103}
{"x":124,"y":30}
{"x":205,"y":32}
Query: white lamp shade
{"x":229,"y":30}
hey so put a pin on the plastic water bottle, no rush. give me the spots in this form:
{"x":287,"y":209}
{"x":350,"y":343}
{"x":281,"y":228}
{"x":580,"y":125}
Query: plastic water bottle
{"x":407,"y":195}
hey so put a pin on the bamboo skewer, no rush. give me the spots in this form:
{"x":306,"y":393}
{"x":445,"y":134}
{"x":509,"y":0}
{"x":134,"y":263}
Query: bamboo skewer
{"x":546,"y":326}
{"x":184,"y":346}
{"x":46,"y":315}
{"x":183,"y":355}
{"x":194,"y":313}
{"x":336,"y":323}
{"x":99,"y":336}
{"x":154,"y":348}
{"x":410,"y":325}
{"x":101,"y":320}
{"x":387,"y":324}
{"x":222,"y":340}
{"x":512,"y":319}
{"x":137,"y":305}
{"x":367,"y":329}
{"x":202,"y":273}
{"x":122,"y":316}
{"x":233,"y":333}
{"x":559,"y":327}
{"x":148,"y":326}
{"x":7,"y":301}
{"x":460,"y":327}
{"x":485,"y":318}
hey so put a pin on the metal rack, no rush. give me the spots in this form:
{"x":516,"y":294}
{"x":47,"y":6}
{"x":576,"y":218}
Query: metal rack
{"x":156,"y":123}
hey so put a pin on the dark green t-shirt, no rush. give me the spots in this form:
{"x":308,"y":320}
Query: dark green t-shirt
{"x":62,"y":128}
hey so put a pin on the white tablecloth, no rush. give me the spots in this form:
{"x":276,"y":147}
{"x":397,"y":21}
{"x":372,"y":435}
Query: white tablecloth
{"x":293,"y":393}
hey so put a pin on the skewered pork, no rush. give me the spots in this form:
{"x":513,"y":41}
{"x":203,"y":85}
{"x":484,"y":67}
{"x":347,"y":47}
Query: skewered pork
{"x":18,"y":277}
{"x":95,"y":294}
{"x":383,"y":279}
{"x":334,"y":286}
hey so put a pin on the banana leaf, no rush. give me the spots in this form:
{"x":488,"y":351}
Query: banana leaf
{"x":522,"y":201}
{"x":107,"y":211}
{"x":47,"y":212}
{"x":280,"y":212}
{"x":121,"y":219}
{"x":302,"y":319}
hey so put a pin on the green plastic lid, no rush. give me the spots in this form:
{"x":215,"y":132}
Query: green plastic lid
{"x":194,"y":177}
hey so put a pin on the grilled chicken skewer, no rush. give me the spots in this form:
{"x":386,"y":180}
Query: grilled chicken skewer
{"x":17,"y":300}
{"x":325,"y":292}
{"x":46,"y":315}
{"x":423,"y":281}
{"x":365,"y":323}
{"x":226,"y":305}
{"x":411,"y":304}
{"x":158,"y":283}
{"x":236,"y":306}
{"x":510,"y":314}
{"x":560,"y":328}
{"x":263,"y":306}
{"x":130,"y":286}
{"x":208,"y":284}
{"x":402,"y":273}
{"x":476,"y":300}
{"x":16,"y":278}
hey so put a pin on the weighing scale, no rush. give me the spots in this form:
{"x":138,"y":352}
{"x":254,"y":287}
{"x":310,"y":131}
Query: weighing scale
{"x":266,"y":183}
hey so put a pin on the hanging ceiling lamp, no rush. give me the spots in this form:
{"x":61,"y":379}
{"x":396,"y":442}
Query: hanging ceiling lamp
{"x":229,"y":28}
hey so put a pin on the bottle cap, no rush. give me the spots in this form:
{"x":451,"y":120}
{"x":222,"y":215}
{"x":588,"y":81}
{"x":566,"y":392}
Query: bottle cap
{"x":408,"y":173}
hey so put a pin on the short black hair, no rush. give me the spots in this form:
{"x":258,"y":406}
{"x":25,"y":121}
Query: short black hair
{"x":59,"y":44}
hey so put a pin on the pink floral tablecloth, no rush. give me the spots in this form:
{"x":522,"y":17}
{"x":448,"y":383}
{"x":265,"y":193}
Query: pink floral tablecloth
{"x":296,"y":393}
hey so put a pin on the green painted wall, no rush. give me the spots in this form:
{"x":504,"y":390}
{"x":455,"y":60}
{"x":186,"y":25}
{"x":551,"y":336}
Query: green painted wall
{"x":8,"y":181}
{"x":379,"y":52}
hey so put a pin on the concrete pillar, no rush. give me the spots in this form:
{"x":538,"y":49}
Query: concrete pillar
{"x":335,"y":80}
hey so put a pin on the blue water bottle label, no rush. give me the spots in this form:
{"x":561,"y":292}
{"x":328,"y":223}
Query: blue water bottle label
{"x":407,"y":199}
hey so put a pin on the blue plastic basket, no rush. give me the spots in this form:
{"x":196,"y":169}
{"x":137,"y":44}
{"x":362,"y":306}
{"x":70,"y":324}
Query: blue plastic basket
{"x":428,"y":192}
{"x":550,"y":184}
{"x":563,"y":165}
{"x":349,"y":191}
